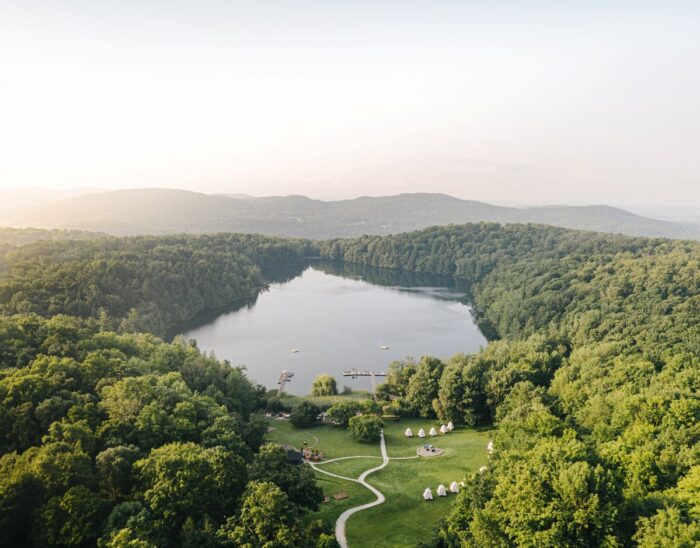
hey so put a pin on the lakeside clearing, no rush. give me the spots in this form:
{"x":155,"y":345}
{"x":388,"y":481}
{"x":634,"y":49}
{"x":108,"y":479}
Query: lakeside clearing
{"x":404,"y":519}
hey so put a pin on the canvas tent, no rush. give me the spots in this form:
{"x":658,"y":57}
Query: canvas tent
{"x":483,"y":469}
{"x":421,"y":433}
{"x":454,"y":487}
{"x":427,"y":494}
{"x":433,"y":432}
{"x":441,"y":491}
{"x":450,"y":426}
{"x":489,"y":447}
{"x":443,"y":429}
{"x":408,"y":433}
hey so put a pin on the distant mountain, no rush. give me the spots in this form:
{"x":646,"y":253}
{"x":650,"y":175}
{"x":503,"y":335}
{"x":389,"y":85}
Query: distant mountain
{"x":16,"y":198}
{"x":163,"y":211}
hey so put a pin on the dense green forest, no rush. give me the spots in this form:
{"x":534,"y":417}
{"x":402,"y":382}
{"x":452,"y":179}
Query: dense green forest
{"x":21,"y":236}
{"x":120,"y":439}
{"x":593,"y":383}
{"x":124,"y":440}
{"x":142,"y":283}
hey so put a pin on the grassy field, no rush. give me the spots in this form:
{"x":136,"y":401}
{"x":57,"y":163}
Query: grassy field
{"x":404,"y":519}
{"x":326,"y":401}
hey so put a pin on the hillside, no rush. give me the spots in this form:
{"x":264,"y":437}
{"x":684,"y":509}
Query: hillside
{"x":590,"y":387}
{"x":165,"y":211}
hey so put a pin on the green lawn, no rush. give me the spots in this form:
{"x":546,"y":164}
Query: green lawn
{"x":404,"y":519}
{"x":326,"y":401}
{"x":333,"y":441}
{"x":351,"y":468}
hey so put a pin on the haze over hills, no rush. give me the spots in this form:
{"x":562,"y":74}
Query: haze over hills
{"x":19,"y":198}
{"x":163,"y":211}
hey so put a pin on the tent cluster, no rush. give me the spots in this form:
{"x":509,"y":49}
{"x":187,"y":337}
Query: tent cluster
{"x":442,"y":490}
{"x":444,"y":429}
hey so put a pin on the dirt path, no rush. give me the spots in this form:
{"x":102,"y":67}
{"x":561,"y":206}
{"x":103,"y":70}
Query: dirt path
{"x":315,"y":439}
{"x":343,"y":518}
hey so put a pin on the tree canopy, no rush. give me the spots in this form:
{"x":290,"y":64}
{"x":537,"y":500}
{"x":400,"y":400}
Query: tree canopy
{"x":591,"y":381}
{"x":366,"y":428}
{"x":123,"y":439}
{"x":324,"y":385}
{"x":591,"y":378}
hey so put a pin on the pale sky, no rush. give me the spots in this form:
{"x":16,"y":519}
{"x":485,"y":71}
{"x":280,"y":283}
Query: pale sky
{"x":509,"y":102}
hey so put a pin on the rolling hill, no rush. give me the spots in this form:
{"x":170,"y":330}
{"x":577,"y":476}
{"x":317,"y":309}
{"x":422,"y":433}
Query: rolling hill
{"x":164,"y":211}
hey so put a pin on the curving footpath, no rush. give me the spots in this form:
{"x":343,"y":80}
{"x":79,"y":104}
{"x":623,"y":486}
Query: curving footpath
{"x":315,"y":439}
{"x":340,"y":524}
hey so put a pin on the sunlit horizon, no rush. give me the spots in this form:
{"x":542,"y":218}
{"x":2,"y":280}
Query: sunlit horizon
{"x":497,"y":102}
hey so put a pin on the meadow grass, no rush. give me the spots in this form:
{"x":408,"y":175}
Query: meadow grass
{"x":326,"y":401}
{"x":404,"y":519}
{"x":334,"y":441}
{"x":351,"y":468}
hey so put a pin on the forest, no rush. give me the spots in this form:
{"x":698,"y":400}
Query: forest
{"x":592,"y":383}
{"x":142,"y":283}
{"x":125,"y":440}
{"x":114,"y":437}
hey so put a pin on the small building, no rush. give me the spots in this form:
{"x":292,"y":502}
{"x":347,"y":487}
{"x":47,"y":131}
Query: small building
{"x":293,"y":456}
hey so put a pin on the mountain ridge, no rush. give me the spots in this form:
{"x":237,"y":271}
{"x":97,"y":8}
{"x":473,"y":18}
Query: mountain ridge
{"x":166,"y":211}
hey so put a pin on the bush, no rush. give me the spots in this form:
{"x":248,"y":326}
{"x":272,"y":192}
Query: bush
{"x":392,"y":408}
{"x":275,"y":405}
{"x":324,"y":385}
{"x":304,"y":414}
{"x":370,"y":407}
{"x":366,"y":428}
{"x":343,"y":411}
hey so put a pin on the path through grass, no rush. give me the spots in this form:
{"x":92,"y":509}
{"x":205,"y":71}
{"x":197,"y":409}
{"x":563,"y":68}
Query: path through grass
{"x":404,"y":519}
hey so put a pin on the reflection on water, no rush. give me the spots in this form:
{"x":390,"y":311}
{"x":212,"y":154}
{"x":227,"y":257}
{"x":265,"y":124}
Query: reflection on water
{"x":339,"y":317}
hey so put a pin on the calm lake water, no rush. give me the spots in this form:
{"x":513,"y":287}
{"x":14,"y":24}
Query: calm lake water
{"x":339,"y":317}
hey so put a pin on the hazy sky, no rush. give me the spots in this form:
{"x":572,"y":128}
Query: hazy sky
{"x":509,"y":102}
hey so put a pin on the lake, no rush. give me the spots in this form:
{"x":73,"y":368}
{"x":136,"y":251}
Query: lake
{"x":339,"y":317}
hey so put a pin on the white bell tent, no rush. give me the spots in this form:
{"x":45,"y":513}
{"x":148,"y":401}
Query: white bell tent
{"x":454,"y":487}
{"x":441,"y":491}
{"x":427,"y":494}
{"x":443,"y":429}
{"x":450,"y":426}
{"x":408,"y":433}
{"x":421,"y":433}
{"x":433,"y":432}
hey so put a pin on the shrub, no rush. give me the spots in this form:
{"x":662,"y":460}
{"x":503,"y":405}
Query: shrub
{"x":366,"y":428}
{"x":343,"y":411}
{"x":275,"y":405}
{"x":304,"y":414}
